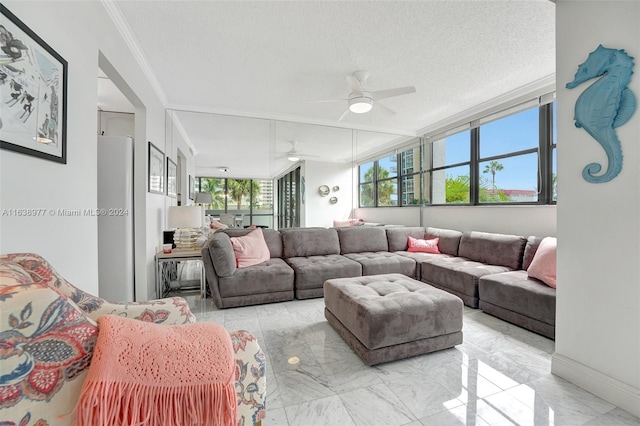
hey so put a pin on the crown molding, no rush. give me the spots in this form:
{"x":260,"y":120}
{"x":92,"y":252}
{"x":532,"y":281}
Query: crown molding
{"x":114,"y":12}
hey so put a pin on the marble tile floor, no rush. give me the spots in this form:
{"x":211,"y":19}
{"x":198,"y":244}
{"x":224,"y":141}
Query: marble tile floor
{"x":500,"y":375}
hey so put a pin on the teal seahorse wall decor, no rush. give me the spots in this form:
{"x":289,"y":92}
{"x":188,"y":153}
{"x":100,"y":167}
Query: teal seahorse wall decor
{"x":606,"y":104}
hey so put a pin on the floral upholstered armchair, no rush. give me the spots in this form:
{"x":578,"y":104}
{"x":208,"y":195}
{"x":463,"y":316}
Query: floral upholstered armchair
{"x":48,"y":332}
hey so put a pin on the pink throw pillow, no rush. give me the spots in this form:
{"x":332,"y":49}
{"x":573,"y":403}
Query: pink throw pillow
{"x":424,"y":246}
{"x":250,"y":249}
{"x":543,"y":265}
{"x":217,"y":225}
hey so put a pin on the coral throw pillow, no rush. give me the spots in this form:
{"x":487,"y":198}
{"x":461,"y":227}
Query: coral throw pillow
{"x":423,"y":246}
{"x":250,"y":249}
{"x":543,"y":265}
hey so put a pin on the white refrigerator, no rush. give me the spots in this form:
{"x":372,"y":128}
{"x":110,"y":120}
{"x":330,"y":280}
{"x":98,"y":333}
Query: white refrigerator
{"x":115,"y":219}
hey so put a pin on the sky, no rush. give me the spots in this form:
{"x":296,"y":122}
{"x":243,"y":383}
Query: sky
{"x":509,"y":134}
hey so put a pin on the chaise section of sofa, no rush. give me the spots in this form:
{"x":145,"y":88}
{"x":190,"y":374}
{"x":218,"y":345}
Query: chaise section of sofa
{"x":515,"y":297}
{"x":479,"y":254}
{"x":230,"y":286}
{"x":398,"y":239}
{"x":314,"y":256}
{"x":369,"y":247}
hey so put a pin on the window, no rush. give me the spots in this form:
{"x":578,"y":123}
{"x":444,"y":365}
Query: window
{"x":387,"y":181}
{"x":411,"y":176}
{"x":506,"y":158}
{"x":289,"y":200}
{"x":367,"y":188}
{"x":252,"y":199}
{"x":450,"y":171}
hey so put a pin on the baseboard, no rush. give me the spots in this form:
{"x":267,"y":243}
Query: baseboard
{"x":599,"y":384}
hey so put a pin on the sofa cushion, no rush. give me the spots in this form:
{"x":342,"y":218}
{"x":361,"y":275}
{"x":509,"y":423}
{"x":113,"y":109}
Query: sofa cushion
{"x":250,"y":249}
{"x":543,"y":265}
{"x":272,"y":237}
{"x":271,"y":276}
{"x":530,"y":251}
{"x":420,"y":257}
{"x":221,"y":253}
{"x":449,"y":239}
{"x":516,"y":292}
{"x":493,"y":249}
{"x":301,"y":242}
{"x":313,"y":271}
{"x":383,"y":262}
{"x":397,"y":237}
{"x":457,"y":273}
{"x":362,"y":239}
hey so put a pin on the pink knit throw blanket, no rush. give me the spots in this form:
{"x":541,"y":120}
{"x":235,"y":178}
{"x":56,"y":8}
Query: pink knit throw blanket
{"x":151,"y":374}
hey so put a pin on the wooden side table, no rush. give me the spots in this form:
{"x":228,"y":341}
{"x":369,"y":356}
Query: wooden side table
{"x":177,"y":255}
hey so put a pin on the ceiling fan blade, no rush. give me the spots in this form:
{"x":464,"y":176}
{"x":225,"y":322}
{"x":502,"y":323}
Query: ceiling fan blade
{"x":355,"y":85}
{"x":388,"y":93}
{"x":327,"y":100}
{"x":385,"y":108}
{"x":344,"y":114}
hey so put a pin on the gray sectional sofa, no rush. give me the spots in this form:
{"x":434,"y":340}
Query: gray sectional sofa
{"x":485,"y":270}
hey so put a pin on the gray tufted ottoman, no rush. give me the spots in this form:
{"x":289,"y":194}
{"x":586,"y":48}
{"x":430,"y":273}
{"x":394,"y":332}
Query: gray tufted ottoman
{"x":391,"y":316}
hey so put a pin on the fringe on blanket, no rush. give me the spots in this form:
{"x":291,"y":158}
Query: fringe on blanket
{"x":114,"y":404}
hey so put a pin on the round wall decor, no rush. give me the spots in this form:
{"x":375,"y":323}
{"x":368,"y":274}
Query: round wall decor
{"x":323,"y":190}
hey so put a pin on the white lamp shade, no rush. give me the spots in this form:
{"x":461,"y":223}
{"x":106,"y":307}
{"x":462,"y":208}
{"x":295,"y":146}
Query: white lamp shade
{"x":185,"y":217}
{"x":203,"y":198}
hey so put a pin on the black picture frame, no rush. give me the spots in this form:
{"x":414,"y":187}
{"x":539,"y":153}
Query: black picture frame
{"x":156,"y":170}
{"x":172,"y":178}
{"x":33,"y":92}
{"x":192,"y":193}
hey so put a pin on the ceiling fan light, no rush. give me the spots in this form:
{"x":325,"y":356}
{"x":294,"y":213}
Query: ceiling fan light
{"x":360,"y":105}
{"x":293,"y":158}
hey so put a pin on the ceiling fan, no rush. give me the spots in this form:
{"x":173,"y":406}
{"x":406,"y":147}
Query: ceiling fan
{"x":361,"y":100}
{"x":295,"y":155}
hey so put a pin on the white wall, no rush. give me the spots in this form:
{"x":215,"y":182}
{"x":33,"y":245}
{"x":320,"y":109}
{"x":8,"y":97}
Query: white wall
{"x":517,"y":220}
{"x":318,"y":211}
{"x":598,"y":303}
{"x":70,"y":243}
{"x":407,"y":216}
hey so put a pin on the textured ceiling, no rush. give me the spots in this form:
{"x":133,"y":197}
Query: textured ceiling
{"x":272,"y":59}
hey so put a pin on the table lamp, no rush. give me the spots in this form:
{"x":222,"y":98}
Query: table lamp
{"x":188,"y":222}
{"x":204,"y":198}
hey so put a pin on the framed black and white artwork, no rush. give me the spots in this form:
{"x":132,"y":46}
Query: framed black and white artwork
{"x":33,"y":92}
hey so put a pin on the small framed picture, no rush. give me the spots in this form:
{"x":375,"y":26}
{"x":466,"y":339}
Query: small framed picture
{"x":172,"y":172}
{"x":192,"y":194}
{"x":156,"y":169}
{"x":33,"y":78}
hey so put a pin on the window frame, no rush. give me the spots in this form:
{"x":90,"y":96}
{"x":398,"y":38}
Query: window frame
{"x":545,"y":149}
